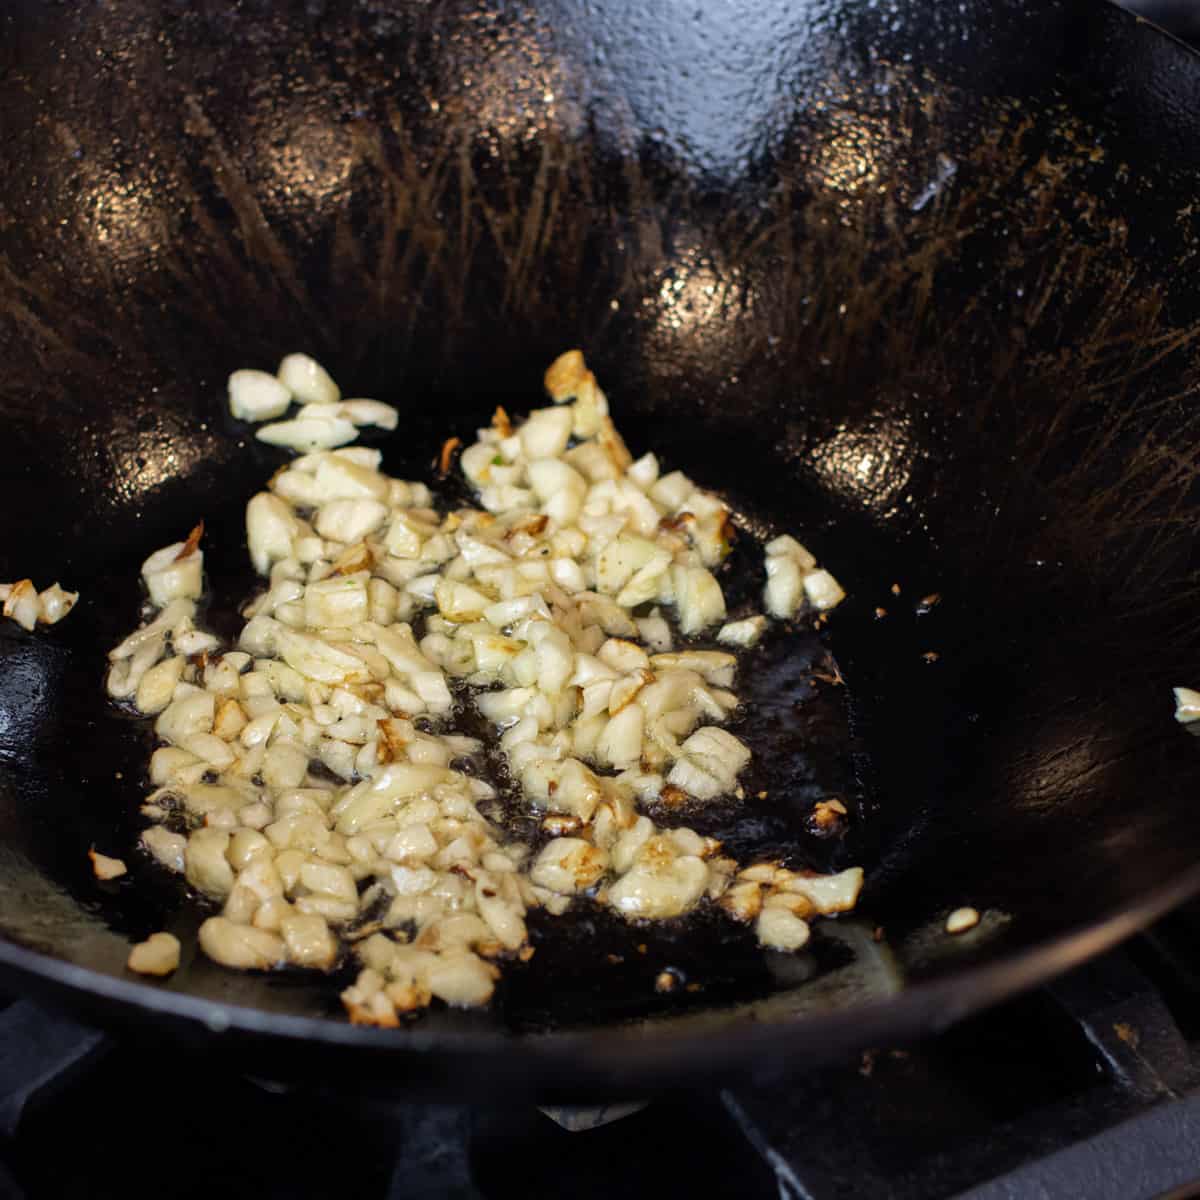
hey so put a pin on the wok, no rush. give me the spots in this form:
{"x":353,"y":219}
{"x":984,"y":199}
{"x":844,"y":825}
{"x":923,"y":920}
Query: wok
{"x":913,"y":281}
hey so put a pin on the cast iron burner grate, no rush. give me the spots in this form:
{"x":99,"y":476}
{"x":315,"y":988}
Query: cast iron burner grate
{"x":1089,"y":1088}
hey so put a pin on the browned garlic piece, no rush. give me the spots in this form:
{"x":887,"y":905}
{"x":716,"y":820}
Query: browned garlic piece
{"x":781,"y":902}
{"x":23,"y":603}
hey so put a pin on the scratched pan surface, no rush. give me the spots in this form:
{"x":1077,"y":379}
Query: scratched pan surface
{"x":915,"y":283}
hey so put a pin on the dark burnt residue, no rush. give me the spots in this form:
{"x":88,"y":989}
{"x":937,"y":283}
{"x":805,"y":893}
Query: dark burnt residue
{"x":590,"y":966}
{"x":797,"y":728}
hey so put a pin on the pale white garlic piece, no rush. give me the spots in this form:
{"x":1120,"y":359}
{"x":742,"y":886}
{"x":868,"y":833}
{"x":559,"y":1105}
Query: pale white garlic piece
{"x":157,"y":686}
{"x":317,"y":659}
{"x":242,"y":947}
{"x":699,"y":600}
{"x":793,"y":580}
{"x":309,"y":941}
{"x":503,"y":918}
{"x":715,"y":666}
{"x":462,"y":980}
{"x":190,"y":712}
{"x":314,"y":427}
{"x":745,"y":632}
{"x":350,"y":520}
{"x":166,"y":847}
{"x":780,"y":929}
{"x":823,"y":591}
{"x":545,"y":433}
{"x":257,"y":396}
{"x":205,"y":863}
{"x":712,"y":760}
{"x":307,"y":380}
{"x":370,"y":412}
{"x":337,"y":602}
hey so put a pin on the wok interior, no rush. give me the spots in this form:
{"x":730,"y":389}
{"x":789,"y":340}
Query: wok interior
{"x":914,"y":316}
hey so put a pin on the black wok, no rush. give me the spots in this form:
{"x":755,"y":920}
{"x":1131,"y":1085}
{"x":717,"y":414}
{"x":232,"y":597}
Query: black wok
{"x":916,"y":281}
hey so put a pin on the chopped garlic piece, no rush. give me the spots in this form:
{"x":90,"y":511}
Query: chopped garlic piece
{"x":462,"y":980}
{"x":712,"y":760}
{"x":271,"y":530}
{"x":337,"y":602}
{"x":257,"y":396}
{"x":241,"y":946}
{"x":309,"y":941}
{"x":205,"y":863}
{"x":822,"y":590}
{"x":157,"y":955}
{"x":781,"y":930}
{"x":168,"y":848}
{"x":794,"y":579}
{"x":156,"y":689}
{"x":742,"y":633}
{"x":350,"y":520}
{"x":569,"y":865}
{"x":962,"y":919}
{"x":785,"y":586}
{"x":370,"y":412}
{"x":106,"y":868}
{"x":565,"y":375}
{"x":698,"y":598}
{"x":54,"y":603}
{"x":307,"y":380}
{"x":176,"y":572}
{"x":1187,"y":705}
{"x":309,"y":430}
{"x":660,"y":884}
{"x":21,"y":603}
{"x":828,"y":893}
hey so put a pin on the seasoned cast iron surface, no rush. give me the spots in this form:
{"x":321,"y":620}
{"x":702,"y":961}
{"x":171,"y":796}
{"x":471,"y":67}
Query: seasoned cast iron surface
{"x":910,"y":281}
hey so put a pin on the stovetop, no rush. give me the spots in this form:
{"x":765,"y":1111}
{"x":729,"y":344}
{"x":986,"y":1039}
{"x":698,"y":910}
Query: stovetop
{"x":1087,"y":1088}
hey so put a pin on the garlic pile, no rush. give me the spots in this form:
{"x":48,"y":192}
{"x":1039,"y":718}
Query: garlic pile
{"x":311,"y":780}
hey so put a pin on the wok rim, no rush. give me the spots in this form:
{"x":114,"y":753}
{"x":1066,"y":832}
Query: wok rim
{"x":922,"y":1008}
